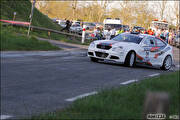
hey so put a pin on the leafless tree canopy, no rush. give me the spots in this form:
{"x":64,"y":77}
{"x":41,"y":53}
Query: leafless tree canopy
{"x":130,"y":12}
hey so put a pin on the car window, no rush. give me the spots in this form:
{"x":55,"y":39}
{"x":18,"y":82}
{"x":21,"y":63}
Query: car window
{"x":149,"y":41}
{"x":126,"y":37}
{"x":160,"y":43}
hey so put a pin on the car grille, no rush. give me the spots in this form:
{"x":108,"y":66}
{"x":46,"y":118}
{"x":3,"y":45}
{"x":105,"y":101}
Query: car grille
{"x":91,"y":53}
{"x":101,"y":54}
{"x":106,"y":47}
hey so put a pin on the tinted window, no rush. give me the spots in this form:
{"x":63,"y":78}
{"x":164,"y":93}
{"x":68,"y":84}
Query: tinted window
{"x":160,"y":43}
{"x":149,"y":41}
{"x":124,"y":37}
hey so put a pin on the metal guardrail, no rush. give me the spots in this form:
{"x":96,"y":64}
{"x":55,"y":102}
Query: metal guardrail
{"x":43,"y":29}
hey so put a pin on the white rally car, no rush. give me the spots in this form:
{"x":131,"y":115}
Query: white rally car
{"x":131,"y":49}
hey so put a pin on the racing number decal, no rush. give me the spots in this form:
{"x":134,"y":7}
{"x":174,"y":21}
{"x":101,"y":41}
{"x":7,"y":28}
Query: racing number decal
{"x":147,"y":58}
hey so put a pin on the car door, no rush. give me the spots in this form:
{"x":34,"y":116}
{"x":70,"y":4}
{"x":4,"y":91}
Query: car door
{"x":145,"y":54}
{"x":160,"y":46}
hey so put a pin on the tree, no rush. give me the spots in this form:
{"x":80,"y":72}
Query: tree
{"x":74,"y":7}
{"x":162,"y":5}
{"x":133,"y":13}
{"x":176,"y":12}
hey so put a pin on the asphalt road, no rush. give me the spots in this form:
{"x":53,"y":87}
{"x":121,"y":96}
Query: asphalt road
{"x":37,"y":82}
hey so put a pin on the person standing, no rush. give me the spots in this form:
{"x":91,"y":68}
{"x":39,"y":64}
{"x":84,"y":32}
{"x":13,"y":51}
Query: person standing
{"x":170,"y":36}
{"x":162,"y":36}
{"x":166,"y":35}
{"x":113,"y":33}
{"x":108,"y":34}
{"x":150,"y":32}
{"x":97,"y":33}
{"x":67,"y":26}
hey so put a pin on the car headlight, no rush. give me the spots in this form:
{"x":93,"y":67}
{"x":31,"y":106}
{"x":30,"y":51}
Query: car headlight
{"x":92,"y":45}
{"x":119,"y":48}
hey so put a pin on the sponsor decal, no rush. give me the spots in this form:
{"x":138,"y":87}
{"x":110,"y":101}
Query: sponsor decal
{"x":139,"y":57}
{"x":154,"y":49}
{"x":162,"y":52}
{"x":145,"y":60}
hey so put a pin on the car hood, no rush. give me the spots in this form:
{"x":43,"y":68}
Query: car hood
{"x":114,"y":43}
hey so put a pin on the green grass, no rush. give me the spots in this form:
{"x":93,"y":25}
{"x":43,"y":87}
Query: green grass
{"x":13,"y":40}
{"x":125,"y":102}
{"x":23,"y":10}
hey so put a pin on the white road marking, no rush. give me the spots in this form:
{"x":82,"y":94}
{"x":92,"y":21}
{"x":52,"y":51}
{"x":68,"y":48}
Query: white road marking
{"x":128,"y":82}
{"x":80,"y":96}
{"x":152,"y":75}
{"x":5,"y":117}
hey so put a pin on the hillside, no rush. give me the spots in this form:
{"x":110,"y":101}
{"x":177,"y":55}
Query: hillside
{"x":15,"y":38}
{"x":23,"y":10}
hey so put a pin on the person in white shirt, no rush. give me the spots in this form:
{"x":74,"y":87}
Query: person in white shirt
{"x":113,"y":33}
{"x":108,"y":34}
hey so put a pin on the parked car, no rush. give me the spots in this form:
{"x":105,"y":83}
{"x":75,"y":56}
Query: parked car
{"x":62,"y":23}
{"x":89,"y":25}
{"x":132,"y":49}
{"x":76,"y":28}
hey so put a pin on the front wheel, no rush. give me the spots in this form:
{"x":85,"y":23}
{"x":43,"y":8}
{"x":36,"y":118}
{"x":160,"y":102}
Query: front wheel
{"x":167,"y":64}
{"x":130,"y":59}
{"x":94,"y":59}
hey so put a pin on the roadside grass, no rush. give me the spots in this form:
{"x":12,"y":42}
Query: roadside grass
{"x":23,"y":10}
{"x":125,"y":102}
{"x":13,"y":40}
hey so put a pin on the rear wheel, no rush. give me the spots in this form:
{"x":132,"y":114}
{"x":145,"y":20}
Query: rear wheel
{"x":94,"y":59}
{"x":167,"y":64}
{"x":130,"y":60}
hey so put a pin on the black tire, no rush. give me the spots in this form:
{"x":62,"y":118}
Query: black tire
{"x":164,"y":62}
{"x":127,"y":60}
{"x":94,"y":59}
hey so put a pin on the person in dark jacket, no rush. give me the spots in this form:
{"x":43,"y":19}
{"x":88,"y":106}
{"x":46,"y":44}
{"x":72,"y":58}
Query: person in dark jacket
{"x":68,"y":24}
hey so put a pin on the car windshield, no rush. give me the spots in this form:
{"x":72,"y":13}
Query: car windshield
{"x":127,"y":37}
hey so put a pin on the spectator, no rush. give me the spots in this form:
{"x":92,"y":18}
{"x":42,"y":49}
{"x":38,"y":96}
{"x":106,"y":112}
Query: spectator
{"x":173,"y":36}
{"x":166,"y":35}
{"x":108,"y":34}
{"x":120,"y":31}
{"x":97,"y":33}
{"x":157,"y":33}
{"x":145,"y":31}
{"x":162,"y":36}
{"x":113,"y":33}
{"x":154,"y":32}
{"x":150,"y":32}
{"x":68,"y":25}
{"x":170,"y":36}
